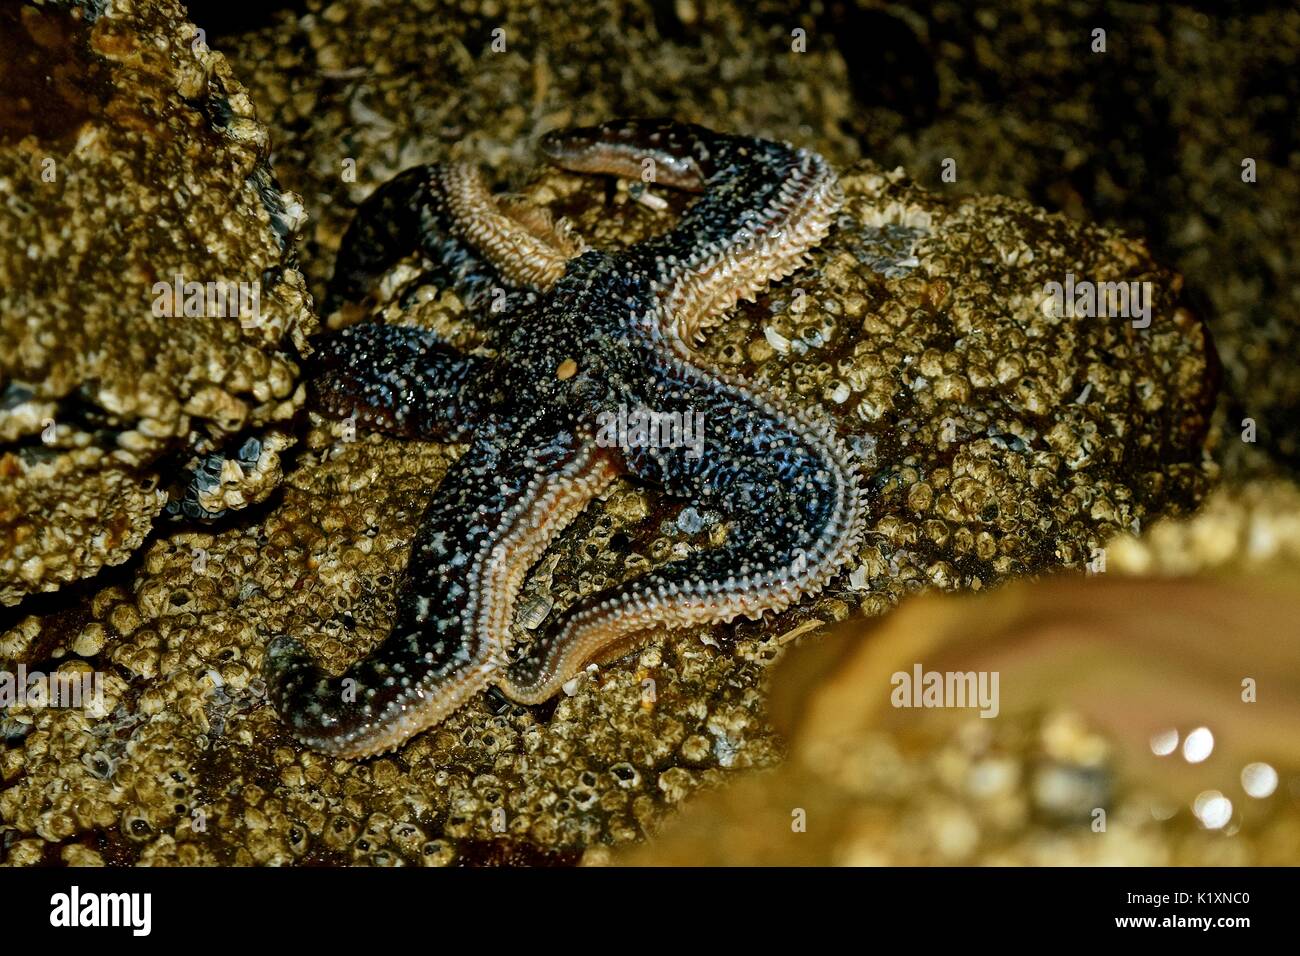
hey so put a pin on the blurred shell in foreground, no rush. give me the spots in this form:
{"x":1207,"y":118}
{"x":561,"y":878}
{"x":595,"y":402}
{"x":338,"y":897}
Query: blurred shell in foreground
{"x":1140,"y":720}
{"x":1123,"y":704}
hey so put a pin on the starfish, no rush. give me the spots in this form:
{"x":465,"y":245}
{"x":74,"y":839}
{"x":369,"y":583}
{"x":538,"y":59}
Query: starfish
{"x":579,"y":335}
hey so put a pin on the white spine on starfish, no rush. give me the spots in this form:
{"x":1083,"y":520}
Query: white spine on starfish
{"x":519,"y":250}
{"x":777,"y":245}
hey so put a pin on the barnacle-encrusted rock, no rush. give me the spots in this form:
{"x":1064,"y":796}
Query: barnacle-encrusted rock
{"x":999,"y":436}
{"x":129,"y":156}
{"x":1018,"y":97}
{"x":356,"y":92}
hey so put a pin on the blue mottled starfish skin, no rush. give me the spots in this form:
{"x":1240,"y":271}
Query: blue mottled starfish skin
{"x":614,"y":330}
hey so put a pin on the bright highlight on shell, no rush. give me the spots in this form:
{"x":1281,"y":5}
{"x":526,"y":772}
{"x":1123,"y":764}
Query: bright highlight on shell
{"x":1165,"y":742}
{"x":1213,"y":809}
{"x":1198,"y":745}
{"x":1259,"y":780}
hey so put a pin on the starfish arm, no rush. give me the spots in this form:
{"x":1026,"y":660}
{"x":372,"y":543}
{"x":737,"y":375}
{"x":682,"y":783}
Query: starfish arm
{"x":493,"y":515}
{"x":477,"y":247}
{"x":386,"y":227}
{"x":400,"y":379}
{"x":603,"y":331}
{"x":791,"y":491}
{"x":765,"y":205}
{"x":519,"y":242}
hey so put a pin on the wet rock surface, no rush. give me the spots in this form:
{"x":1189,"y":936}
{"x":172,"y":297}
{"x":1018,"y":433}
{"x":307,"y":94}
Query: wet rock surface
{"x":1002,"y":436}
{"x":1004,"y":439}
{"x":129,"y":155}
